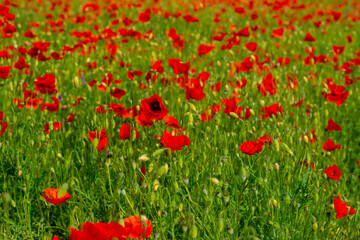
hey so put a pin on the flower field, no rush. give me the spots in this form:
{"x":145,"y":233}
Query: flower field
{"x":179,"y":119}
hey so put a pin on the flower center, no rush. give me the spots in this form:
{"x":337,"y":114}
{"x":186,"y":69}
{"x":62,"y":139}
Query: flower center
{"x":155,"y":106}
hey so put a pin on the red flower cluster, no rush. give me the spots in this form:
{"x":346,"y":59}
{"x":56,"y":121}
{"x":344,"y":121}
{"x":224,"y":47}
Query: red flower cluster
{"x":268,"y":85}
{"x":267,"y":112}
{"x":46,"y":84}
{"x":132,"y":228}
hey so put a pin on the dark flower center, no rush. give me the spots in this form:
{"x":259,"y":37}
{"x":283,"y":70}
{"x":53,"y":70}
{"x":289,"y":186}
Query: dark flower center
{"x":155,"y":106}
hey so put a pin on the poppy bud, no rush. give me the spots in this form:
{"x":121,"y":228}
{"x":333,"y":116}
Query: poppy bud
{"x":277,"y":144}
{"x":253,"y":129}
{"x":287,"y":149}
{"x":60,"y":156}
{"x":162,"y":170}
{"x":194,"y":231}
{"x":221,"y":224}
{"x":192,"y":107}
{"x":226,"y":198}
{"x":306,"y":139}
{"x":6,"y":196}
{"x":191,"y":118}
{"x":176,"y":186}
{"x":243,"y":173}
{"x":76,"y":82}
{"x":287,"y":199}
{"x":13,"y":203}
{"x":156,"y":184}
{"x":179,"y":101}
{"x":151,"y":167}
{"x":252,"y":112}
{"x":315,"y":226}
{"x":234,"y":115}
{"x":215,"y":181}
{"x":152,"y":198}
{"x":158,"y":152}
{"x":185,"y":180}
{"x":274,"y":203}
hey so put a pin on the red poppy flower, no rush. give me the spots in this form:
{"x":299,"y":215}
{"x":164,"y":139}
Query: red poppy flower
{"x":52,"y":107}
{"x":338,"y":50}
{"x":117,"y":93}
{"x":337,"y":94}
{"x":264,"y":139}
{"x":173,"y":142}
{"x":4,"y":72}
{"x":171,"y":122}
{"x":21,"y":64}
{"x":250,"y":147}
{"x":329,"y":145}
{"x":103,"y":231}
{"x":309,"y":38}
{"x":145,"y":16}
{"x":178,"y":66}
{"x":100,"y":109}
{"x":28,"y":103}
{"x":243,"y":32}
{"x":77,"y":102}
{"x":52,"y":196}
{"x":203,"y":49}
{"x":120,"y":110}
{"x":56,"y":127}
{"x":312,"y":165}
{"x":46,"y":84}
{"x":333,"y":172}
{"x":342,"y":209}
{"x":194,"y":90}
{"x":268,"y":85}
{"x":126,"y":131}
{"x":267,"y":112}
{"x":29,"y":34}
{"x":219,"y":37}
{"x":151,"y":109}
{"x":71,"y":117}
{"x":278,"y":33}
{"x":136,"y":229}
{"x":333,"y":126}
{"x":103,"y":141}
{"x":207,"y":116}
{"x":3,"y":125}
{"x":251,"y":46}
{"x":132,"y":228}
{"x":190,"y":19}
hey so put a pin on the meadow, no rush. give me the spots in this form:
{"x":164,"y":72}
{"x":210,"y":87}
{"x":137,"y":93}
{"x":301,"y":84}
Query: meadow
{"x":179,"y":119}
